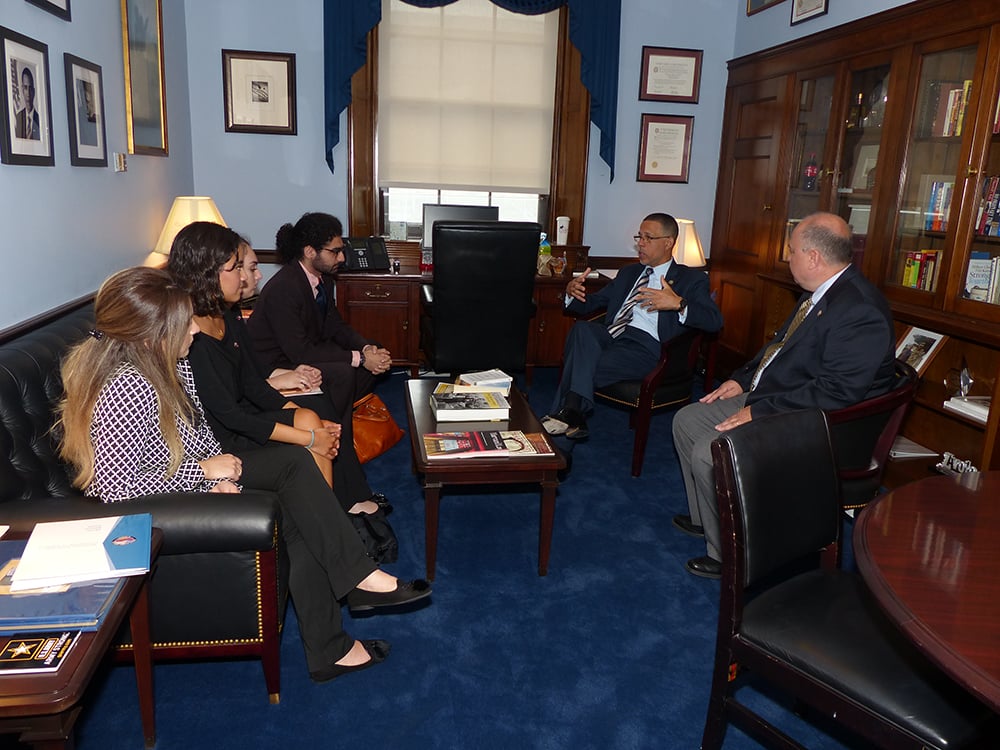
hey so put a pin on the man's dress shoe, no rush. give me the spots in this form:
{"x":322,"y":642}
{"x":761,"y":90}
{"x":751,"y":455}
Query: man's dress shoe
{"x":706,"y":567}
{"x":685,"y":524}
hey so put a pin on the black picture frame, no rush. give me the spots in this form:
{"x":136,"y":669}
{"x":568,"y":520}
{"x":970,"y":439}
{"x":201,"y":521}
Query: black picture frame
{"x":88,"y":145}
{"x":670,"y":74}
{"x":22,"y":56}
{"x":258,"y":92}
{"x":803,"y":10}
{"x":59,"y":8}
{"x":756,"y":6}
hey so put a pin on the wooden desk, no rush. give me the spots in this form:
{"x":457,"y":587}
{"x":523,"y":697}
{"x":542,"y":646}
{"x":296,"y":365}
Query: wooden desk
{"x":386,"y":307}
{"x":42,"y":708}
{"x":483,"y":471}
{"x":930,"y":553}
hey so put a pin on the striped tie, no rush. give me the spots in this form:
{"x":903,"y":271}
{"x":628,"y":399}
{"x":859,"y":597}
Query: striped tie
{"x":772,"y":350}
{"x":624,"y":316}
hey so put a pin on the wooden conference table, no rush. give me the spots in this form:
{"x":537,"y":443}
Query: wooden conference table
{"x":930,"y":553}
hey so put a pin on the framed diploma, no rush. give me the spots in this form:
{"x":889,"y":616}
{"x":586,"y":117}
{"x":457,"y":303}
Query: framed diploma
{"x":665,"y":148}
{"x":670,"y":75}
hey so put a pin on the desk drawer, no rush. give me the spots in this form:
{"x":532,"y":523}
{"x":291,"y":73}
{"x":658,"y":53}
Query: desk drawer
{"x":377,"y":291}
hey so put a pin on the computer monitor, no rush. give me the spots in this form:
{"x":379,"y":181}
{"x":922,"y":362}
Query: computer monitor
{"x":437,"y":212}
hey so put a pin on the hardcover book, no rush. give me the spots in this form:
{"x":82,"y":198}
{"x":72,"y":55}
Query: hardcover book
{"x":496,"y":379}
{"x":469,"y":407}
{"x":34,"y":653}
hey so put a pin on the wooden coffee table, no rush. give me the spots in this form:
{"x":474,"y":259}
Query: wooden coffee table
{"x":42,"y":708}
{"x":435,"y":475}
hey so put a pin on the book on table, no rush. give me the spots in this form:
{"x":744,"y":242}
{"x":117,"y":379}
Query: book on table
{"x":80,"y":606}
{"x":88,"y":549}
{"x":35,"y":653}
{"x":470,"y":407}
{"x":473,"y":444}
{"x":492,"y":379}
{"x":526,"y":443}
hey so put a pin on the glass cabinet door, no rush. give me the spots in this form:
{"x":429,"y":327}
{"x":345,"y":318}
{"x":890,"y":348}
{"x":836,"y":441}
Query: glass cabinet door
{"x":809,"y":188}
{"x":868,"y":93}
{"x":928,"y":178}
{"x":982,"y":267}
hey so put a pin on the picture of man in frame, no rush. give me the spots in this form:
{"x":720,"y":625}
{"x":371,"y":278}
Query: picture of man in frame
{"x":86,"y":113}
{"x":27,"y":124}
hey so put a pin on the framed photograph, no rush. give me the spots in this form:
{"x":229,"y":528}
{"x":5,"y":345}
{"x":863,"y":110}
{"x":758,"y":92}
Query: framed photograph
{"x":756,"y":6}
{"x":55,"y":7}
{"x":803,"y":10}
{"x":26,"y":133}
{"x":865,"y":163}
{"x":665,"y":148}
{"x":85,"y":112}
{"x":258,"y":91}
{"x":670,"y":75}
{"x":145,"y":89}
{"x":918,"y":347}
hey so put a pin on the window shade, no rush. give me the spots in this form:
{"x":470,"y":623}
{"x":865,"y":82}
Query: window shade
{"x":466,"y":96}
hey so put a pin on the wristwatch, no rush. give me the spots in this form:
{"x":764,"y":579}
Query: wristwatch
{"x":361,"y":362}
{"x":682,"y":305}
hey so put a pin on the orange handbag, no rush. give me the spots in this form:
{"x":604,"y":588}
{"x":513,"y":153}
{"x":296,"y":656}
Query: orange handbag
{"x":375,"y":431}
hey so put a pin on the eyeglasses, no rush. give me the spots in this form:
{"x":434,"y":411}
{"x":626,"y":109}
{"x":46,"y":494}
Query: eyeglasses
{"x":334,"y":250}
{"x":648,"y":237}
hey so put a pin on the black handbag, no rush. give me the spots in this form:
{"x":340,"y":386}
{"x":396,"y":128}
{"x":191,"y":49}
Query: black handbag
{"x":377,"y":535}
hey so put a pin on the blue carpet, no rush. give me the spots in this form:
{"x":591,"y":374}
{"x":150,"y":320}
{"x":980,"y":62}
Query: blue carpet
{"x":612,"y":650}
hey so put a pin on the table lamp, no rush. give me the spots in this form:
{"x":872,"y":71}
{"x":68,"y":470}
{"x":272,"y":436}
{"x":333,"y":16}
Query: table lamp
{"x":186,"y":209}
{"x":687,"y":249}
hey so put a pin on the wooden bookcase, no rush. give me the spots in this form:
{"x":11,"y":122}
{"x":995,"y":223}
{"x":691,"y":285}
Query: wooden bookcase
{"x":900,"y":110}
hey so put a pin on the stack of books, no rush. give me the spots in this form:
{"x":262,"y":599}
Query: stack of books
{"x":494,"y":380}
{"x":451,"y":403}
{"x":974,"y":407}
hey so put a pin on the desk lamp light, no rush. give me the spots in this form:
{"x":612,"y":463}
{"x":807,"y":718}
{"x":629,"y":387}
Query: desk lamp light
{"x":687,"y":249}
{"x":186,"y":209}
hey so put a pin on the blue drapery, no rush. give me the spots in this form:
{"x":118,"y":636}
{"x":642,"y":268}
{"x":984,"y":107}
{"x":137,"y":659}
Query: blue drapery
{"x":594,"y":29}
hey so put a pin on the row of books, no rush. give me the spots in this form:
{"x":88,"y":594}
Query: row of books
{"x":982,"y":279}
{"x":938,"y":206}
{"x":485,"y":444}
{"x":988,"y":216}
{"x":920,"y":270}
{"x":944,"y":107}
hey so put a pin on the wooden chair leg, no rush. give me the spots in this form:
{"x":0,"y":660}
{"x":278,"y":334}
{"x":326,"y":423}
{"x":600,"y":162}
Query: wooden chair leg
{"x":640,"y":418}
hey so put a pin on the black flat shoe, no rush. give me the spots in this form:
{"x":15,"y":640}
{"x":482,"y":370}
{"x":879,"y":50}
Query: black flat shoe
{"x":685,"y":524}
{"x":405,"y":593}
{"x":705,"y":567}
{"x":377,"y":651}
{"x":382,"y":502}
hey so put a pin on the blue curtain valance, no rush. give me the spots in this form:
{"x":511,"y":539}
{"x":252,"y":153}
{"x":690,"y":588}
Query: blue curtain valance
{"x":594,"y":29}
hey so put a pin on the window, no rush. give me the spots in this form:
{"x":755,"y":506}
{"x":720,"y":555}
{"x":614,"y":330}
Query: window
{"x":472,"y":120}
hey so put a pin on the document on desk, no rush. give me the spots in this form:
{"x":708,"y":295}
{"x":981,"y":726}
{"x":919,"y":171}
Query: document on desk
{"x":88,"y":549}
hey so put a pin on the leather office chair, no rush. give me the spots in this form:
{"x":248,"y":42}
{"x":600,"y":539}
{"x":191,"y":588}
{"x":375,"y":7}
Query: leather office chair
{"x":862,"y":435}
{"x":666,"y":386}
{"x":814,"y":632}
{"x":482,"y":298}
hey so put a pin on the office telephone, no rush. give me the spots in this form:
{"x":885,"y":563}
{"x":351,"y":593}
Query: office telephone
{"x":365,"y":254}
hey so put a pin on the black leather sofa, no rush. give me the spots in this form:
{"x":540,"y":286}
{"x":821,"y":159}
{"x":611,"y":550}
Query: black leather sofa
{"x":219,"y":588}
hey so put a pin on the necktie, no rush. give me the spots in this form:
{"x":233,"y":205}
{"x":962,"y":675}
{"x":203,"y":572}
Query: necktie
{"x":624,"y":315}
{"x":772,"y":350}
{"x":321,"y":300}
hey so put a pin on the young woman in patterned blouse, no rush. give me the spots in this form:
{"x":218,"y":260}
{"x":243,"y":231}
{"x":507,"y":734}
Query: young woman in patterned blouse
{"x":133,"y":424}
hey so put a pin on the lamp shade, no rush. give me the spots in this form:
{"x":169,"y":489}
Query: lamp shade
{"x":187,"y":209}
{"x":687,"y":250}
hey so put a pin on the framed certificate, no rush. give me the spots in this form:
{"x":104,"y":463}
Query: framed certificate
{"x":670,"y":75}
{"x":665,"y":148}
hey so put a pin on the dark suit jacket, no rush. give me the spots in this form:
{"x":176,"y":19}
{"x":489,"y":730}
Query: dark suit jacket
{"x":286,"y":326}
{"x":689,"y":283}
{"x":842,"y":353}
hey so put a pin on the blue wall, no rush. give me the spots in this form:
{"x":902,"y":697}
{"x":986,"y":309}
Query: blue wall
{"x":66,"y":228}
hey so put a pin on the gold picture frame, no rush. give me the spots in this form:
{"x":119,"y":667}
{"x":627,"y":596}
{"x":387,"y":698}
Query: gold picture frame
{"x":756,"y":6}
{"x":145,"y":86}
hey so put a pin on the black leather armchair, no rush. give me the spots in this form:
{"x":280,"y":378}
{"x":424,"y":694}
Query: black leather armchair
{"x":484,"y":278}
{"x":220,"y":585}
{"x":791,"y":618}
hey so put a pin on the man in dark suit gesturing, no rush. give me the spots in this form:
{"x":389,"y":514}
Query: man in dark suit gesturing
{"x":835,"y":350}
{"x":650,"y":301}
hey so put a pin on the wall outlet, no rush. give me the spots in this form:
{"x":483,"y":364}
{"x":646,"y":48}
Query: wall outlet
{"x":121,"y":165}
